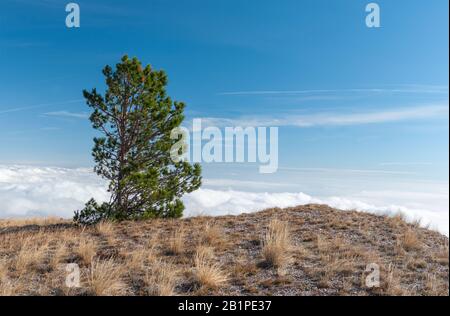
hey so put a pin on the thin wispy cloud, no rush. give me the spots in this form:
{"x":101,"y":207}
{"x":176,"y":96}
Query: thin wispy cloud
{"x":21,"y":44}
{"x":37,"y":106}
{"x":336,"y":119}
{"x":67,"y":114}
{"x":110,"y":9}
{"x":34,"y":130}
{"x":403,"y":89}
{"x":347,"y":171}
{"x":406,"y":164}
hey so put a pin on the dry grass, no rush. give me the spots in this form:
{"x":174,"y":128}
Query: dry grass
{"x":40,"y":221}
{"x":4,"y":267}
{"x":322,"y":252}
{"x":441,"y":256}
{"x":340,"y":260}
{"x":398,"y":220}
{"x":59,"y":255}
{"x":86,"y":250}
{"x":29,"y":255}
{"x":322,"y":244}
{"x":136,"y":259}
{"x":161,"y":279}
{"x":393,"y":285}
{"x":105,"y":227}
{"x":10,"y":287}
{"x":211,"y":235}
{"x":177,"y":242}
{"x":435,"y":286}
{"x":409,"y":240}
{"x":276,"y":244}
{"x":414,"y":263}
{"x":105,"y":278}
{"x":207,"y":273}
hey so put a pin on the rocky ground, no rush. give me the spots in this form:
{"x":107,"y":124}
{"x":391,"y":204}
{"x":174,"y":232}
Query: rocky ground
{"x":305,"y":250}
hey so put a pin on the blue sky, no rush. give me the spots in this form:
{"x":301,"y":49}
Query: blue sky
{"x":386,"y":89}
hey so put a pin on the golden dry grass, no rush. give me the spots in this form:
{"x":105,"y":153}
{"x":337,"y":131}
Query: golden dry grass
{"x":106,"y":228}
{"x":276,"y":244}
{"x":58,"y":255}
{"x":29,"y":255}
{"x":137,"y":258}
{"x":322,"y":251}
{"x":211,"y":234}
{"x":393,"y":285}
{"x":409,"y":240}
{"x":208,"y":273}
{"x":177,"y":242}
{"x":40,"y":221}
{"x":9,"y":287}
{"x":86,"y":250}
{"x":4,"y":267}
{"x":105,"y":278}
{"x":441,"y":256}
{"x":161,"y":279}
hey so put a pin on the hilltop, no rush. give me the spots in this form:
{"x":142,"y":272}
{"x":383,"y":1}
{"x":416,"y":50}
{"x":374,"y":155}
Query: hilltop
{"x":304,"y":250}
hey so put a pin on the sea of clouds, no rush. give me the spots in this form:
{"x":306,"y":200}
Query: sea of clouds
{"x":41,"y":191}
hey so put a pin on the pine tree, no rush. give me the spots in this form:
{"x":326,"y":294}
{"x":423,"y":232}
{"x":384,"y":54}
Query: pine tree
{"x":135,"y":117}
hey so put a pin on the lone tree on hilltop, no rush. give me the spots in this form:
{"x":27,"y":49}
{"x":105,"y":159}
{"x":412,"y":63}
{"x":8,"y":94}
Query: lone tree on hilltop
{"x":135,"y":117}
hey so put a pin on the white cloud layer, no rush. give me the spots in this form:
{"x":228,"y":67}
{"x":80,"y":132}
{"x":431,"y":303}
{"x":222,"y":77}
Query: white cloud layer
{"x":41,"y":191}
{"x":221,"y":202}
{"x":36,"y":191}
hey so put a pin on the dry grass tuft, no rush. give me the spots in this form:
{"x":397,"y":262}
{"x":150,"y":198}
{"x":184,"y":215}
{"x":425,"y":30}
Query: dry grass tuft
{"x":10,"y":287}
{"x":161,"y":279}
{"x":105,"y":278}
{"x":441,"y":256}
{"x":86,"y":250}
{"x":211,"y":235}
{"x":177,"y":243}
{"x":244,"y":269}
{"x":409,"y":240}
{"x":105,"y":228}
{"x":435,"y":286}
{"x":4,"y":267}
{"x":414,"y":263}
{"x":399,"y":219}
{"x":59,"y":255}
{"x":207,"y":273}
{"x":392,"y":282}
{"x":206,"y":252}
{"x":137,"y":258}
{"x":29,"y":255}
{"x":277,"y":244}
{"x":322,"y":244}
